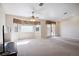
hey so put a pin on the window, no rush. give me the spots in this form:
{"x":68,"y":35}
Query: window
{"x":37,"y":27}
{"x":27,"y":28}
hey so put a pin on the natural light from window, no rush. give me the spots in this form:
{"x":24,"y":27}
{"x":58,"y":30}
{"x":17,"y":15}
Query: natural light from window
{"x":26,"y":28}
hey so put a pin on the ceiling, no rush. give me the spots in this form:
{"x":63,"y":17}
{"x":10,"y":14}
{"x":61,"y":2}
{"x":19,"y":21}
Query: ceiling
{"x":51,"y":11}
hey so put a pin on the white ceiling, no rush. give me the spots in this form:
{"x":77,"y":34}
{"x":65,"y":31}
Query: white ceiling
{"x":47,"y":11}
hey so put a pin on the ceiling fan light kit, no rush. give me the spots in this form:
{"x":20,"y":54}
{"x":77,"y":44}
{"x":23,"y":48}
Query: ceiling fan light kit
{"x":33,"y":12}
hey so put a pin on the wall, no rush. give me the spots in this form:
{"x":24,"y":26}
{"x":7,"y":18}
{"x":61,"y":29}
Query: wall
{"x":57,"y":29}
{"x":70,"y":28}
{"x":22,"y":35}
{"x":7,"y":37}
{"x":19,"y":35}
{"x":2,"y":21}
{"x":38,"y":35}
{"x":43,"y":29}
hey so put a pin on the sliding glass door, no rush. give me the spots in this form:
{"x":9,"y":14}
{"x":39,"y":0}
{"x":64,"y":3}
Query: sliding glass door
{"x":50,"y":30}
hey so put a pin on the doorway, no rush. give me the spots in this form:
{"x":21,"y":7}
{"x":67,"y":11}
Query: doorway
{"x":50,"y":30}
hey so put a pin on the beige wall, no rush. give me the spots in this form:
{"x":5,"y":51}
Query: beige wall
{"x":57,"y":29}
{"x":70,"y":28}
{"x":7,"y":37}
{"x":19,"y":35}
{"x":22,"y":35}
{"x":43,"y":29}
{"x":2,"y":21}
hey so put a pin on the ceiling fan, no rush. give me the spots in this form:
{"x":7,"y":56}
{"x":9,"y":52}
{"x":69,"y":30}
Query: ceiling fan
{"x":35,"y":17}
{"x":41,"y":4}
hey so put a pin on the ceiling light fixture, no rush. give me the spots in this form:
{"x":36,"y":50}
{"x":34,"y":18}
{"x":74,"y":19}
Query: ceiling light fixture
{"x":41,"y":4}
{"x":65,"y":13}
{"x":33,"y":12}
{"x":33,"y":17}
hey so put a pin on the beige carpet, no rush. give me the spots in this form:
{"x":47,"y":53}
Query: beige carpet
{"x":48,"y":47}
